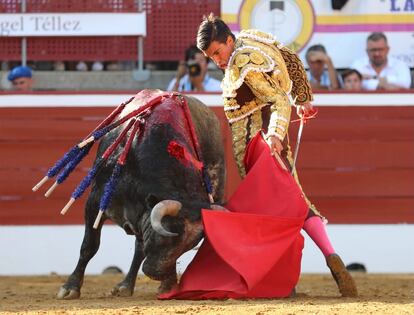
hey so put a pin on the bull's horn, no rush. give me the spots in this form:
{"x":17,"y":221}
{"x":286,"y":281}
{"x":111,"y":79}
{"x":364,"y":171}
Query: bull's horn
{"x":161,"y":209}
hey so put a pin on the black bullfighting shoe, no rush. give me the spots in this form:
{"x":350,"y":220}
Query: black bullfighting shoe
{"x":343,"y":278}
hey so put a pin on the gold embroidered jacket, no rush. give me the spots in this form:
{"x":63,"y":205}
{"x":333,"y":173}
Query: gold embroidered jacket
{"x":262,"y":81}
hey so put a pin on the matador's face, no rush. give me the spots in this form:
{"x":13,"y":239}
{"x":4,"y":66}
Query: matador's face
{"x":220,"y":52}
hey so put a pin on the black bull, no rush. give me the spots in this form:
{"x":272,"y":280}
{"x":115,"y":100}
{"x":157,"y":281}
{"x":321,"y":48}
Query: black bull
{"x":153,"y":180}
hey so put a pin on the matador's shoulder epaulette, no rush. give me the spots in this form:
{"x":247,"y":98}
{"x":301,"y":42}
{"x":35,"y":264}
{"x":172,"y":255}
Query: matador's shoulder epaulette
{"x":301,"y":89}
{"x":243,"y":60}
{"x":263,"y":37}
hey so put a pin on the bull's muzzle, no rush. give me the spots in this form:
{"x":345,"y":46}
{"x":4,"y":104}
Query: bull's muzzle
{"x":161,"y":209}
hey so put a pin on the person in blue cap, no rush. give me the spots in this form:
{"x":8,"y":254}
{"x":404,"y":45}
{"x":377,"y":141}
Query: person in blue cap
{"x":21,"y":78}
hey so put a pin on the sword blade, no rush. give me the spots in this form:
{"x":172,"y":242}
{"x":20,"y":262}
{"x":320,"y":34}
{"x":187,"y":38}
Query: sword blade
{"x":295,"y":156}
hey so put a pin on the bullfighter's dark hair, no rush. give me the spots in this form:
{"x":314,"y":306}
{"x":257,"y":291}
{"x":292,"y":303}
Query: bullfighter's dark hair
{"x":212,"y":28}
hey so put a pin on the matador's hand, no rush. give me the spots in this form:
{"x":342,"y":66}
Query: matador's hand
{"x":275,"y":145}
{"x":304,"y":110}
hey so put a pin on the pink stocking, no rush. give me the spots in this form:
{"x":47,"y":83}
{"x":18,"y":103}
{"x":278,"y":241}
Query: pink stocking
{"x":317,"y":232}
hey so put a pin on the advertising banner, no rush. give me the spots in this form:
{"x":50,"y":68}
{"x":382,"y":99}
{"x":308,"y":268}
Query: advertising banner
{"x":302,"y":23}
{"x":73,"y":24}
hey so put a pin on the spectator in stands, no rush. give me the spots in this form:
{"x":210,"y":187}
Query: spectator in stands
{"x":113,"y":66}
{"x":321,"y":73}
{"x":97,"y":66}
{"x":379,"y":71}
{"x":81,"y":66}
{"x":352,"y":80}
{"x":59,"y":66}
{"x":21,"y":78}
{"x":192,"y":74}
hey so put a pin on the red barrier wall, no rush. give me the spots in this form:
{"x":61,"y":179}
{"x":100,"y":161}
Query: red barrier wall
{"x":356,"y":163}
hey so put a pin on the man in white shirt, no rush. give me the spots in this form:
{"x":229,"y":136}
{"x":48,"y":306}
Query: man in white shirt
{"x":192,"y":74}
{"x":379,"y":71}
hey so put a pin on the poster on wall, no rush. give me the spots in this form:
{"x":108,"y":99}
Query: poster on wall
{"x":300,"y":24}
{"x":72,"y":24}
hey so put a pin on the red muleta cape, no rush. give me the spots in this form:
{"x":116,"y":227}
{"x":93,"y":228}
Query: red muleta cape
{"x":255,"y":250}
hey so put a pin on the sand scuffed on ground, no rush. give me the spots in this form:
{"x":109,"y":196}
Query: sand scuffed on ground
{"x":317,"y":294}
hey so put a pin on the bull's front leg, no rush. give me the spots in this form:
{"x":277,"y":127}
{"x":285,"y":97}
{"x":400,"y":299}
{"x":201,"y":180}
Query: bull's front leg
{"x":126,"y":286}
{"x":168,"y":284}
{"x":90,"y":245}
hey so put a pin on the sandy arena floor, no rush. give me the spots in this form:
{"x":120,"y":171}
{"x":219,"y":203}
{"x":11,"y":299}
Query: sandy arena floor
{"x":317,"y":294}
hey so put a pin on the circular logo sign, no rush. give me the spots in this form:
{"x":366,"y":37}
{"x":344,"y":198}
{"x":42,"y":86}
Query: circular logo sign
{"x":290,"y":21}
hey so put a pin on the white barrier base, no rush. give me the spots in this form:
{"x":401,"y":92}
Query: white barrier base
{"x":37,"y":250}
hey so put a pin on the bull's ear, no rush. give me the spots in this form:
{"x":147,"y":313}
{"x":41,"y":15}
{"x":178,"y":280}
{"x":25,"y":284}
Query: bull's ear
{"x":151,"y":201}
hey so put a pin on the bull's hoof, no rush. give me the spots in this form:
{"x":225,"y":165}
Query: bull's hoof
{"x":165,"y":289}
{"x":167,"y":285}
{"x":343,"y":278}
{"x":122,"y":290}
{"x":68,"y":294}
